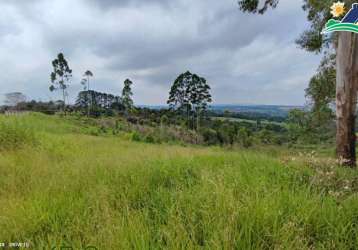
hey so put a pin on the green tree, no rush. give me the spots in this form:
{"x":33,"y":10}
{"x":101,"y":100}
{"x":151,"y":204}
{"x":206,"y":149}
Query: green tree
{"x":61,"y":76}
{"x":345,"y":47}
{"x":255,"y":7}
{"x":86,"y":83}
{"x":191,"y":93}
{"x":244,"y":138}
{"x":322,"y":87}
{"x":210,"y":136}
{"x":102,"y":103}
{"x":266,"y":136}
{"x":298,"y":122}
{"x":127,"y":96}
{"x":164,"y":120}
{"x":179,"y":95}
{"x":88,"y":74}
{"x":321,"y":93}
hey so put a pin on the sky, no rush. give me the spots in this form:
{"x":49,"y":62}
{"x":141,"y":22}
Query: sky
{"x":245,"y":58}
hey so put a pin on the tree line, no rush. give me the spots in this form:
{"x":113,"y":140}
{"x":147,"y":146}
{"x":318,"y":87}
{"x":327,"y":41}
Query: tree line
{"x":189,"y":99}
{"x":88,"y":100}
{"x":189,"y":94}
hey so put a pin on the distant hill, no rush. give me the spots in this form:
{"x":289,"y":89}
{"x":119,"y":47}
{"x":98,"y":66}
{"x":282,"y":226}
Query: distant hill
{"x":270,"y":110}
{"x":267,"y":110}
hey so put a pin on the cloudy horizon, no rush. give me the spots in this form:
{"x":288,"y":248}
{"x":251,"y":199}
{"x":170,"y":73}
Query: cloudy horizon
{"x":246,"y":59}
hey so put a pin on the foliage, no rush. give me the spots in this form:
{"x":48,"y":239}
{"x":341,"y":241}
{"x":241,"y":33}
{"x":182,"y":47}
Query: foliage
{"x":318,"y":13}
{"x":127,"y":95}
{"x":190,"y":93}
{"x":307,"y":127}
{"x":244,"y":138}
{"x":86,"y":80}
{"x":321,"y":90}
{"x":136,"y":136}
{"x":254,"y":6}
{"x":213,"y":131}
{"x":38,"y":106}
{"x":298,"y":124}
{"x":210,"y":136}
{"x":322,"y":87}
{"x":61,"y":75}
{"x":86,"y":85}
{"x":101,"y":103}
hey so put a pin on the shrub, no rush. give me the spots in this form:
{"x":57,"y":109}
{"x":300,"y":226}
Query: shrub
{"x":93,"y":131}
{"x":136,"y":136}
{"x":244,"y":138}
{"x":149,"y":139}
{"x":210,"y":136}
{"x":14,"y":135}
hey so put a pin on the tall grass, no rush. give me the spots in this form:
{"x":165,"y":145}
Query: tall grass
{"x":15,"y":135}
{"x":79,"y":190}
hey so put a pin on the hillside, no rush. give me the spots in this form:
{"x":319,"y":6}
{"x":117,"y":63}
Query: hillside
{"x":64,"y":185}
{"x":269,"y":110}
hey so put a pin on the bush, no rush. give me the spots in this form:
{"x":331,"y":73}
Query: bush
{"x":244,"y":138}
{"x":15,"y":136}
{"x":93,"y":131}
{"x":136,"y":136}
{"x":210,"y":136}
{"x":149,"y":139}
{"x":266,"y":136}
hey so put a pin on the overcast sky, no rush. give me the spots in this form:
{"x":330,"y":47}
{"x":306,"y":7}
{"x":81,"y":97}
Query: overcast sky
{"x":245,"y":58}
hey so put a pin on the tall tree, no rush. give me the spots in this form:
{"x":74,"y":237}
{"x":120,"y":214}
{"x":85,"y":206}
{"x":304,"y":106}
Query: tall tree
{"x":346,"y":97}
{"x":127,"y":95}
{"x":199,"y":96}
{"x":179,"y":94}
{"x":321,"y":93}
{"x":61,"y":76}
{"x":86,"y":83}
{"x":345,"y":45}
{"x":88,"y":74}
{"x":322,"y":86}
{"x":190,"y":93}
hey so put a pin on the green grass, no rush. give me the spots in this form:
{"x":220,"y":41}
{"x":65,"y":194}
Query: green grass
{"x":73,"y":189}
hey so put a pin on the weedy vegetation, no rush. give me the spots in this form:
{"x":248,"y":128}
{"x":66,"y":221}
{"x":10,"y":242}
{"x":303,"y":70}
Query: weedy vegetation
{"x":61,"y":184}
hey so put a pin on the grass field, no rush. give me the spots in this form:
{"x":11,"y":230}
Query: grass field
{"x":60,"y":186}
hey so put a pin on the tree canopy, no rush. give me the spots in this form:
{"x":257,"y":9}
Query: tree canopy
{"x":61,"y":75}
{"x":127,"y":95}
{"x":189,"y":91}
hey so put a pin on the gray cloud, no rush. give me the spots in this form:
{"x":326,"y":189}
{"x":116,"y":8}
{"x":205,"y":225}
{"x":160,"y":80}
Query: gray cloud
{"x":108,"y":4}
{"x":246,"y":58}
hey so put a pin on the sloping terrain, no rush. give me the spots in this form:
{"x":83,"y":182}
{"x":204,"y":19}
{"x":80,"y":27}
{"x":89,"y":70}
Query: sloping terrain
{"x":60,"y":186}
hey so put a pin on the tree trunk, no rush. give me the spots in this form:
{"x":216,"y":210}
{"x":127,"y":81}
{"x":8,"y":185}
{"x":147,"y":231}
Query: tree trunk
{"x":197,"y":119}
{"x":89,"y":104}
{"x":188,"y":116}
{"x":346,"y":97}
{"x":64,"y":101}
